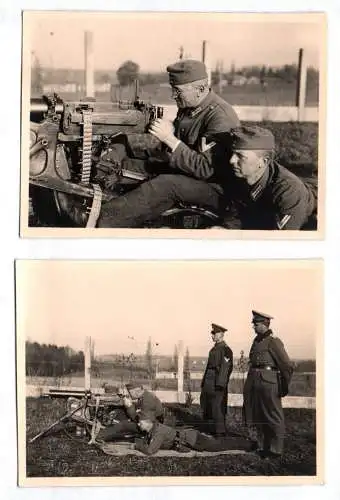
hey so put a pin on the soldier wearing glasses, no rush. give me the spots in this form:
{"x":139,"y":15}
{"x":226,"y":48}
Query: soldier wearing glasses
{"x":194,"y":166}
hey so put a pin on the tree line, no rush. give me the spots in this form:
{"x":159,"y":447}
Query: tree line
{"x":49,"y":360}
{"x":129,"y":71}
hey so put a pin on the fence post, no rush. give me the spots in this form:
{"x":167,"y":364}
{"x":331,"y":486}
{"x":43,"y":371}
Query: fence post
{"x":301,"y":86}
{"x":180,"y":372}
{"x":206,"y":59}
{"x":87,"y":356}
{"x":89,"y":64}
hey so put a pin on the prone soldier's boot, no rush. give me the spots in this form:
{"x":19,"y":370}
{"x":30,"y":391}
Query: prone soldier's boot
{"x":73,"y":209}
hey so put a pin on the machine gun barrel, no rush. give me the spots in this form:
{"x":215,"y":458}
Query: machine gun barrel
{"x":38,"y":105}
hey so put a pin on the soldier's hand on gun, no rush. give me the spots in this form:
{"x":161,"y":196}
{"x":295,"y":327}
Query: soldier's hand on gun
{"x":111,"y":181}
{"x":127,"y":401}
{"x":123,"y":392}
{"x":164,"y":131}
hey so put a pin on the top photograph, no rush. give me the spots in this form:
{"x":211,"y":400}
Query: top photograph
{"x":160,"y":124}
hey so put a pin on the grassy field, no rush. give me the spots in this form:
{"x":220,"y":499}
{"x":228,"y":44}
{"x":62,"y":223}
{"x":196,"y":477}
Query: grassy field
{"x":56,"y":455}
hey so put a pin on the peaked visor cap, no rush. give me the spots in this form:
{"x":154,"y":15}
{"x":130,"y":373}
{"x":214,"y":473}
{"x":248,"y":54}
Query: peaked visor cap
{"x":259,"y":316}
{"x":217,"y":328}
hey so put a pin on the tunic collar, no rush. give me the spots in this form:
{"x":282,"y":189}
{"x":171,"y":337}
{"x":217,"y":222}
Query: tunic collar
{"x":263,"y":336}
{"x":258,"y":188}
{"x":192,"y":112}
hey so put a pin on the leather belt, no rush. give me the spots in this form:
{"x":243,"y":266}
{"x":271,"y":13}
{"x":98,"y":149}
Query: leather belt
{"x":263,"y":367}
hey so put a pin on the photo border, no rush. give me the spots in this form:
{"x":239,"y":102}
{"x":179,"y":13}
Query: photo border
{"x":318,"y":479}
{"x":207,"y":234}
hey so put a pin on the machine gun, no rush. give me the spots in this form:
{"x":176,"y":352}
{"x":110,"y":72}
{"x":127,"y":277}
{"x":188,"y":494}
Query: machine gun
{"x":87,"y":412}
{"x":68,"y":142}
{"x":68,"y":138}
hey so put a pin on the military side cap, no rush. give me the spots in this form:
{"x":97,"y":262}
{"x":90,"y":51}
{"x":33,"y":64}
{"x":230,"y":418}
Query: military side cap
{"x":259,"y":316}
{"x":217,"y":328}
{"x":186,"y":71}
{"x":252,"y":138}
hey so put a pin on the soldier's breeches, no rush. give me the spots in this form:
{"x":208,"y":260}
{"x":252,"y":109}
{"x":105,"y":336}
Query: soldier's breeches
{"x":214,"y":405}
{"x":219,"y":412}
{"x":205,"y":443}
{"x":148,"y":201}
{"x":118,"y":431}
{"x":264,"y":410}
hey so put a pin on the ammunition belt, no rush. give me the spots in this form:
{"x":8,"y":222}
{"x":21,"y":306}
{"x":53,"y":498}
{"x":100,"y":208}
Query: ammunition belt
{"x":95,"y":207}
{"x":87,"y":146}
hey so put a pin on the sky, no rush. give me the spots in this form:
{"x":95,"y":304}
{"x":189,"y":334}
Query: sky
{"x":62,"y":302}
{"x":153,"y":40}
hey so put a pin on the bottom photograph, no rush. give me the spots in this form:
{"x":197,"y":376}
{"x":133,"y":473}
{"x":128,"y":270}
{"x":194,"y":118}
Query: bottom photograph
{"x":169,"y":372}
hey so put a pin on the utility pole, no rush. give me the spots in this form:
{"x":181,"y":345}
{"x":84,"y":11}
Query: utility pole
{"x":301,"y":86}
{"x":206,"y":59}
{"x":89,"y":64}
{"x":220,"y":76}
{"x":180,"y":373}
{"x":87,"y":356}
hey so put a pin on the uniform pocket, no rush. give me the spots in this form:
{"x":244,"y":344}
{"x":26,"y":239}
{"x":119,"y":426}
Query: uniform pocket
{"x":269,"y":376}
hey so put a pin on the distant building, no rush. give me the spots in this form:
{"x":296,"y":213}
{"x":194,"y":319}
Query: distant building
{"x":49,"y":88}
{"x":239,"y":80}
{"x":72,"y":88}
{"x":253,"y":80}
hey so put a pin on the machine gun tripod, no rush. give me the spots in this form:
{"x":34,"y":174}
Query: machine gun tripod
{"x":88,"y":412}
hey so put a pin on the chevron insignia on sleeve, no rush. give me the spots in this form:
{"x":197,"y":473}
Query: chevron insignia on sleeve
{"x":282,"y":222}
{"x":204,"y":146}
{"x":226,"y":359}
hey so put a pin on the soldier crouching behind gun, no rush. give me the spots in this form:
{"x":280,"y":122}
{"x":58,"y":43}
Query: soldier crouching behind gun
{"x":146,"y":401}
{"x":260,"y":193}
{"x":158,"y":436}
{"x":268,"y":379}
{"x":214,"y":394}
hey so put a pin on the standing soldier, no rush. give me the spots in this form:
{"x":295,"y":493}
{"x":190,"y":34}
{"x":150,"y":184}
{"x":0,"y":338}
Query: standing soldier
{"x":269,"y":375}
{"x":214,"y":393}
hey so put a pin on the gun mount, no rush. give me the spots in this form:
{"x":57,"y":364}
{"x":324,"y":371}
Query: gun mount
{"x":68,"y":138}
{"x":76,"y":151}
{"x":108,"y":410}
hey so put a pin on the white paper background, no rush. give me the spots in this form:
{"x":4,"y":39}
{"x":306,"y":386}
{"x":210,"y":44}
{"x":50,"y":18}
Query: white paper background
{"x":12,"y":247}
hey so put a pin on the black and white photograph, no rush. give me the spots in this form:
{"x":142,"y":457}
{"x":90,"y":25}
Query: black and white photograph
{"x":206,"y":124}
{"x":174,"y":372}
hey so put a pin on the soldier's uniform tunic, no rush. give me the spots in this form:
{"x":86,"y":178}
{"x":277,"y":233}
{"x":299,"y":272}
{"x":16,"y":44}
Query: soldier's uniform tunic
{"x":214,"y":386}
{"x":279,"y":200}
{"x":269,"y":374}
{"x":194,"y":173}
{"x":167,"y":438}
{"x":149,"y":403}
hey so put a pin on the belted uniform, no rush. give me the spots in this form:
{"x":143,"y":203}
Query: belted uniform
{"x":270,"y":372}
{"x":214,"y":386}
{"x":167,"y":438}
{"x":149,"y":403}
{"x":279,"y":200}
